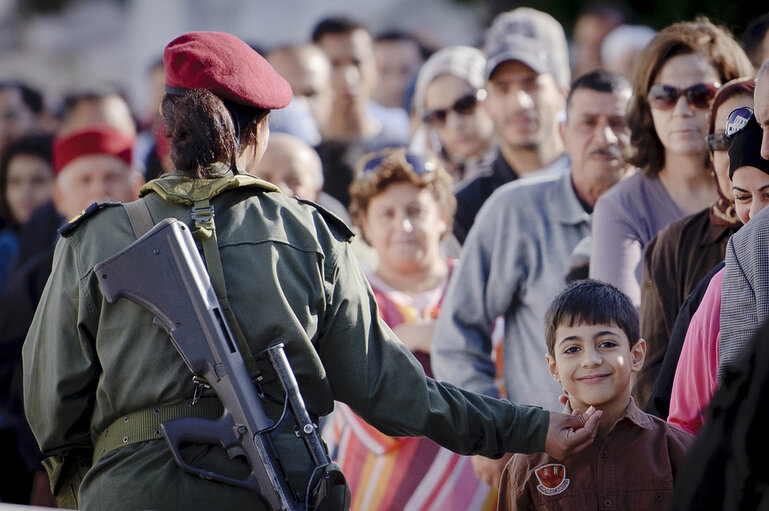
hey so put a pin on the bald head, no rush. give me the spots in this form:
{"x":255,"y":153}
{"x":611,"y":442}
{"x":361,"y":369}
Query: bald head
{"x":761,"y":106}
{"x":308,"y":70}
{"x":291,"y":165}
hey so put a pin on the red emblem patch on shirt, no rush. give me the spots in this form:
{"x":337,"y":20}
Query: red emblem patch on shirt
{"x":552,"y":479}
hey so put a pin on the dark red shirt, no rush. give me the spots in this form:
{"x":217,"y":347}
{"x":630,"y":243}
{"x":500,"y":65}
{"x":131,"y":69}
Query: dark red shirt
{"x":631,"y":468}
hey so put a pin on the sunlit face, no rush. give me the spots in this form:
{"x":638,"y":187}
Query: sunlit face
{"x":461,"y":135}
{"x":682,"y":128}
{"x":29,"y":185}
{"x":292,"y":168}
{"x":353,"y":67}
{"x":595,"y":135}
{"x":397,"y":61}
{"x":594,"y":364}
{"x":751,"y":192}
{"x":721,"y":158}
{"x":404,"y":225}
{"x":761,"y":95}
{"x":89,"y":179}
{"x":523,"y":105}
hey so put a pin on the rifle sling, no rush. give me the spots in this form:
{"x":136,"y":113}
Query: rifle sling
{"x":205,"y":233}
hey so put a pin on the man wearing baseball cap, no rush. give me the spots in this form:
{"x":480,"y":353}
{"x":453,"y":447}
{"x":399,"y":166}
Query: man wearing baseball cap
{"x":527,"y":77}
{"x":100,"y":377}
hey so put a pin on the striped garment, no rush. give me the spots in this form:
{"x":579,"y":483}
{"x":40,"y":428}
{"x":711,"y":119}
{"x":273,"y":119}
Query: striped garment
{"x":400,"y":474}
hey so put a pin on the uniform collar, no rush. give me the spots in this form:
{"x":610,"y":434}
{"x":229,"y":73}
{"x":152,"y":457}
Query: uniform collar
{"x":186,"y":190}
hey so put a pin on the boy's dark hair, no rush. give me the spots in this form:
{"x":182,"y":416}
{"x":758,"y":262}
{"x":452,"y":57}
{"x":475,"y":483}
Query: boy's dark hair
{"x":600,"y":80}
{"x":336,"y":25}
{"x":591,"y":302}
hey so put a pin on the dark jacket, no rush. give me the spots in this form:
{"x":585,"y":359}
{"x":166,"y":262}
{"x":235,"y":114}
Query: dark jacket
{"x":472,"y":194}
{"x":675,"y":261}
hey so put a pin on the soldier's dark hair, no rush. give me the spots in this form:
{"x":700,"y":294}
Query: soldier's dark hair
{"x":753,"y":36}
{"x":335,"y":25}
{"x":204,"y":129}
{"x":29,"y":96}
{"x":601,"y":81}
{"x":591,"y":302}
{"x":32,"y":145}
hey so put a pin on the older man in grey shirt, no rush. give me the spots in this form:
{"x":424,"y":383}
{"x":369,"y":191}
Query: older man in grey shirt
{"x":515,"y":257}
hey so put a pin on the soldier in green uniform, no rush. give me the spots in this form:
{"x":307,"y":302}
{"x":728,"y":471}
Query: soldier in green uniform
{"x":93,"y":369}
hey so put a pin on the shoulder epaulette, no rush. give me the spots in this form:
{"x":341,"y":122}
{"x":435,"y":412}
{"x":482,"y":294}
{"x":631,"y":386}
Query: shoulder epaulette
{"x":91,"y":210}
{"x":330,"y":218}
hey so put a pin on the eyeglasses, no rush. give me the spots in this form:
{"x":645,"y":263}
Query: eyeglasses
{"x":665,"y":97}
{"x":735,"y":123}
{"x":465,"y":105}
{"x":718,"y":141}
{"x":419,"y":164}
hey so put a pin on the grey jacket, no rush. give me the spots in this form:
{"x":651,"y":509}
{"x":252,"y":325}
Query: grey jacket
{"x":512,"y":265}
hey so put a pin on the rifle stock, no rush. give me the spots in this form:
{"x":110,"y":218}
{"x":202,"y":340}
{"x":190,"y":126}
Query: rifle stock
{"x":163,"y":272}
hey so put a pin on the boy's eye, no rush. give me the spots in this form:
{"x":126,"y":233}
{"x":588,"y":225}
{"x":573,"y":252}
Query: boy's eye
{"x":571,"y":349}
{"x":607,"y":344}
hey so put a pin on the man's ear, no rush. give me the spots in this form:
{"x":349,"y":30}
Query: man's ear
{"x":553,"y":366}
{"x":638,"y":355}
{"x":562,"y":129}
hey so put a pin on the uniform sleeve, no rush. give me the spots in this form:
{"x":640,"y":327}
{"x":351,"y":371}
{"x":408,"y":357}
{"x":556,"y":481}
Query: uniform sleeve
{"x":59,"y":360}
{"x":616,"y":251}
{"x":370,"y":370}
{"x":462,"y":342}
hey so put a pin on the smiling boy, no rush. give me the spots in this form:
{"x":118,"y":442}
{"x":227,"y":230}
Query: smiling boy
{"x":593,"y":349}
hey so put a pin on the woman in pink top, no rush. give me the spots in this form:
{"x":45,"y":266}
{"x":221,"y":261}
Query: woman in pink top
{"x":696,"y":375}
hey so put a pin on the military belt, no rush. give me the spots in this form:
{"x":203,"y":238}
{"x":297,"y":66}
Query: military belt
{"x":144,"y":425}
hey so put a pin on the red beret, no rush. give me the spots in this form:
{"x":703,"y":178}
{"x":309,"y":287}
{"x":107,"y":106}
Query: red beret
{"x":226,"y":66}
{"x":101,"y":139}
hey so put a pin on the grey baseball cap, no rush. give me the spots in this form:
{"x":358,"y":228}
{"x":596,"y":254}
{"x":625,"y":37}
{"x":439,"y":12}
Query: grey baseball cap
{"x":532,"y":37}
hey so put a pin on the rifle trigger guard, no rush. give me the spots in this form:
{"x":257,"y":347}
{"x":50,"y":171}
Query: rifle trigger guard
{"x":200,"y":386}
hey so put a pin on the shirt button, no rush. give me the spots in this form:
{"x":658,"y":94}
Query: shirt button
{"x":607,"y":503}
{"x":604,"y":454}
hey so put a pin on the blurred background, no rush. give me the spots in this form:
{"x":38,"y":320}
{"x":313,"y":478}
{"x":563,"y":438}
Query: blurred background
{"x":61,"y":45}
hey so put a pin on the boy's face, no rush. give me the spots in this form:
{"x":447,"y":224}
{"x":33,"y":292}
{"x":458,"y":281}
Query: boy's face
{"x":594,"y":364}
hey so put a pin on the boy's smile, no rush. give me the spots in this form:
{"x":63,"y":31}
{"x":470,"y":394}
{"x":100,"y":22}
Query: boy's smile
{"x":594,"y":364}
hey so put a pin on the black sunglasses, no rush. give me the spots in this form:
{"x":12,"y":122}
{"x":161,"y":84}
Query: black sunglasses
{"x":465,"y":105}
{"x":665,"y":97}
{"x":735,"y":122}
{"x":419,"y":164}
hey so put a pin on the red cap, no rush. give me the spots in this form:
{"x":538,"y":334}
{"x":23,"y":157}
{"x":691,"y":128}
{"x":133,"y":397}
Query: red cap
{"x":226,"y":66}
{"x":101,"y":139}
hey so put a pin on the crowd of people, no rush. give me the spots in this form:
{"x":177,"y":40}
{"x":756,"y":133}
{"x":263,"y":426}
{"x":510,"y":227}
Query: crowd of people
{"x":567,"y":228}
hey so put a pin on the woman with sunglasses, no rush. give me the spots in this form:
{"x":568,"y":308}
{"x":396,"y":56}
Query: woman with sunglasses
{"x":403,"y":204}
{"x":677,"y":75}
{"x":696,"y":378}
{"x":447,"y":96}
{"x":683,"y":253}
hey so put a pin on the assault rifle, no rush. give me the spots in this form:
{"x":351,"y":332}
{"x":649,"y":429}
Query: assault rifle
{"x":163,"y":272}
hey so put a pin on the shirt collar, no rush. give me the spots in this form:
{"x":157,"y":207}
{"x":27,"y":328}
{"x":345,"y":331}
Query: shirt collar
{"x":570,"y":211}
{"x":636,"y":416}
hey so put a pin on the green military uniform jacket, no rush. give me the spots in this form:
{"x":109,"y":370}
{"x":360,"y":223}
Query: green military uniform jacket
{"x":290,"y":276}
